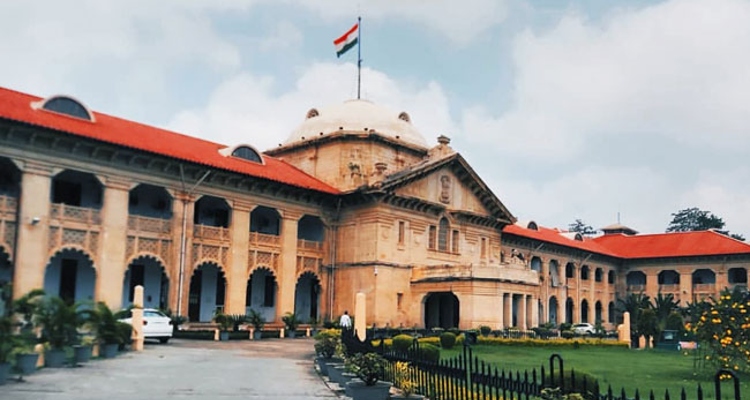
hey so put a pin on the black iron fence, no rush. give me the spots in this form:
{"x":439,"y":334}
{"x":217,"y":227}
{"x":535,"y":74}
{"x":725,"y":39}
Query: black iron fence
{"x":466,"y":377}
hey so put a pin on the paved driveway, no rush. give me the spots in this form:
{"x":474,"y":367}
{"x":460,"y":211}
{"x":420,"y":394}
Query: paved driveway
{"x":267,"y":369}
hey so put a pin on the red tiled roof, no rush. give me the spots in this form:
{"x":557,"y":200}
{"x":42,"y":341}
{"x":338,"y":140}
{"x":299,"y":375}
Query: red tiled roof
{"x":554,"y":236}
{"x":16,"y":106}
{"x":675,"y":244}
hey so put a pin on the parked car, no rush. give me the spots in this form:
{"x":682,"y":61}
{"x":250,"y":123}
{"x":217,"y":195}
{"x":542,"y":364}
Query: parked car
{"x":584,"y":328}
{"x":156,"y":325}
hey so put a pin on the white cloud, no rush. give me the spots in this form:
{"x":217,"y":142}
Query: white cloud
{"x":676,"y":70}
{"x":725,"y":195}
{"x":284,"y":34}
{"x":246,"y":108}
{"x":459,"y":21}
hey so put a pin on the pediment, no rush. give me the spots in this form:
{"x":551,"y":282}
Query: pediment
{"x":449,"y":183}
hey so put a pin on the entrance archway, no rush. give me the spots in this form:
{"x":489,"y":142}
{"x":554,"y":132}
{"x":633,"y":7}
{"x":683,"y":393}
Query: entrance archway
{"x":149,"y":273}
{"x":552,"y":310}
{"x":260,"y":294}
{"x":569,"y":308}
{"x":307,"y":297}
{"x":70,"y":274}
{"x":441,"y":310}
{"x":207,"y":292}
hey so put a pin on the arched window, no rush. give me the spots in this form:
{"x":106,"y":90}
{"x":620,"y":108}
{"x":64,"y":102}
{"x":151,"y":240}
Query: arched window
{"x":68,"y":106}
{"x":247,"y":153}
{"x":443,"y":230}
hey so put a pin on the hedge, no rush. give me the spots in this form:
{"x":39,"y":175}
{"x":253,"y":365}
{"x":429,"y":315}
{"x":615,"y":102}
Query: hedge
{"x":552,"y":343}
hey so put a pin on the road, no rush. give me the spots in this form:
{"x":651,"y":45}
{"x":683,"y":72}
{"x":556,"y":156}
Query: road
{"x":183,"y":369}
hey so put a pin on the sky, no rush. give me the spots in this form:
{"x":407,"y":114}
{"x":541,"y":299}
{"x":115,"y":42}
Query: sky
{"x":577,"y":109}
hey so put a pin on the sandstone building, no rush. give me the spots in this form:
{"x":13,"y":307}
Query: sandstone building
{"x":354,"y":201}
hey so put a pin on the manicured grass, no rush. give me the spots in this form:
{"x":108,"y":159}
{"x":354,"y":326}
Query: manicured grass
{"x":621,"y":368}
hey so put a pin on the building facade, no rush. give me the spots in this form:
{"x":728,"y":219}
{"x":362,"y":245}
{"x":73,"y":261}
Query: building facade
{"x":354,"y":201}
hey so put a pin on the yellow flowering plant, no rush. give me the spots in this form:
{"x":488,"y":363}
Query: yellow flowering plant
{"x":723,"y":327}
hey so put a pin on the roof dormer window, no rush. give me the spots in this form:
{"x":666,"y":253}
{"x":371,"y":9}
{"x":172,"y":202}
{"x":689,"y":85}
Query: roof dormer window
{"x":65,"y":105}
{"x":247,"y":153}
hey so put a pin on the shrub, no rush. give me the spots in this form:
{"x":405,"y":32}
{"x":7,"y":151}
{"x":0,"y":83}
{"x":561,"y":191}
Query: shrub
{"x":429,"y":352}
{"x":567,"y":334}
{"x":402,"y":379}
{"x":447,"y":340}
{"x":566,"y":326}
{"x":572,"y":386}
{"x":454,"y":331}
{"x":367,"y":367}
{"x":326,"y":342}
{"x":402,"y":343}
{"x":485,"y":330}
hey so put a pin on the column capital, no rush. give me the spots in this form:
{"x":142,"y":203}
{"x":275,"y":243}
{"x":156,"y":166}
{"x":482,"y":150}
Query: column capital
{"x":241,"y":205}
{"x":291,"y":214}
{"x":36,"y":168}
{"x":117,"y":182}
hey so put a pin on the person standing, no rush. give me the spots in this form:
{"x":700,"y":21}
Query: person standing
{"x":346,"y":321}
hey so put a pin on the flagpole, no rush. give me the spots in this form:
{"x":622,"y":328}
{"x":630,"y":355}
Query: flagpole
{"x":359,"y":56}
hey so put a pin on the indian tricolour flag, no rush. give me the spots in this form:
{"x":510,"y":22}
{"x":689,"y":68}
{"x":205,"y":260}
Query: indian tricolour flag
{"x":347,"y":40}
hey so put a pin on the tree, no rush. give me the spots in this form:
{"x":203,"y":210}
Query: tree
{"x":648,"y":325}
{"x":634,"y":303}
{"x":695,"y":219}
{"x":581,"y":227}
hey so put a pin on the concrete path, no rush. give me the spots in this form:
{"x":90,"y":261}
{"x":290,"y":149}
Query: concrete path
{"x":195,"y":370}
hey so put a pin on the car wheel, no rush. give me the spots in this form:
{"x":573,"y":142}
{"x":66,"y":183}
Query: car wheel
{"x":163,"y":340}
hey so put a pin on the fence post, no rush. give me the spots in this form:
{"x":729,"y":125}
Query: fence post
{"x":717,"y":383}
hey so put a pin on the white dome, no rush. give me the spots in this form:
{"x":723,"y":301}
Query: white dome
{"x":360,"y":116}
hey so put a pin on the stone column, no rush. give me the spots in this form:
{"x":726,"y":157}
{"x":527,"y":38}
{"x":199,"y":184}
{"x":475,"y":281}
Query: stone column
{"x":534,"y":320}
{"x":652,"y":282}
{"x":111,"y":259}
{"x":686,"y":286}
{"x":722,"y":278}
{"x":182,"y":234}
{"x":32,"y":250}
{"x":508,"y":314}
{"x":521,"y":312}
{"x":238,"y":257}
{"x":288,"y":267}
{"x":501,"y":317}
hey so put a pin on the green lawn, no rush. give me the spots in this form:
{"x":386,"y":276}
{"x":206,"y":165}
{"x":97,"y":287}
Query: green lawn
{"x":619,"y":367}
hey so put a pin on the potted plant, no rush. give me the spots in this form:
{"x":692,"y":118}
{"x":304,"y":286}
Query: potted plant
{"x":326,"y":342}
{"x":59,"y":322}
{"x":110,"y":333}
{"x":24,"y":309}
{"x":255,"y":318}
{"x":225,"y":325}
{"x":82,"y":351}
{"x":368,"y":367}
{"x":291,"y":322}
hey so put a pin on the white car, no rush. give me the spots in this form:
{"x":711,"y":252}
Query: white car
{"x":584,"y":329}
{"x":156,"y":325}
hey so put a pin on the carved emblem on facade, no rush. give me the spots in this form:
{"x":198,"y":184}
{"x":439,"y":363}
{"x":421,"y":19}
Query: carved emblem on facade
{"x":445,"y":189}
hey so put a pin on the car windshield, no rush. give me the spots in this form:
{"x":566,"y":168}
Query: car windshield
{"x":153,"y":313}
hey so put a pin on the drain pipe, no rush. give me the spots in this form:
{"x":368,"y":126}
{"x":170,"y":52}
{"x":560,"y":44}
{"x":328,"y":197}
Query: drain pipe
{"x":183,"y":234}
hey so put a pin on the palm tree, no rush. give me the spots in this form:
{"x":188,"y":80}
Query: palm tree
{"x":664,"y":306}
{"x":634,"y":303}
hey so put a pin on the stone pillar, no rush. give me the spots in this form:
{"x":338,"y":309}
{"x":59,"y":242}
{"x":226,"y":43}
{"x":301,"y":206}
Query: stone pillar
{"x":722,"y":279}
{"x":138,"y":318}
{"x":32,"y":252}
{"x":508,"y":314}
{"x":182,"y":234}
{"x":501,"y":316}
{"x":652,"y":282}
{"x":521,"y":312}
{"x":238,"y":257}
{"x":288,"y":267}
{"x":534,"y":310}
{"x":360,"y":316}
{"x":111,"y":260}
{"x":686,"y":286}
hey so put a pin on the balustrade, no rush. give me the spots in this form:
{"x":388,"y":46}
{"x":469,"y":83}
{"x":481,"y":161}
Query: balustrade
{"x":146,"y":224}
{"x":210,"y":232}
{"x":264,"y":239}
{"x":67,"y":213}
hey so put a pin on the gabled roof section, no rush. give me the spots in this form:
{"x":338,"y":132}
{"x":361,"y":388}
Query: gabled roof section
{"x":674,"y":244}
{"x":16,"y":106}
{"x":463,"y":171}
{"x":558,"y":237}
